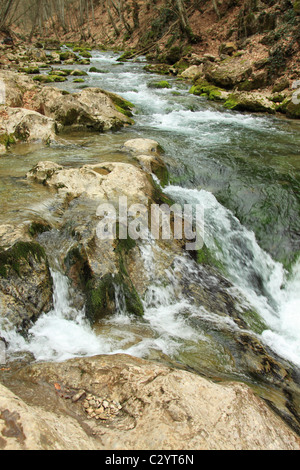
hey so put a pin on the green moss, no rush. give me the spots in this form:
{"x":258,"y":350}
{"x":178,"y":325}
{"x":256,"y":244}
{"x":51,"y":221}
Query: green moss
{"x":78,"y":80}
{"x":99,"y":297}
{"x":7,"y":140}
{"x":277,"y":98}
{"x":254,"y":321}
{"x":127,"y":55}
{"x":43,"y":79}
{"x":12,"y":258}
{"x":59,"y":73}
{"x":29,"y":70}
{"x":38,"y":227}
{"x":79,"y":73}
{"x":66,"y":55}
{"x":95,"y":70}
{"x":123,"y":106}
{"x":58,"y":78}
{"x":203,"y":88}
{"x":205,"y":257}
{"x":161,"y":84}
{"x":231,"y":103}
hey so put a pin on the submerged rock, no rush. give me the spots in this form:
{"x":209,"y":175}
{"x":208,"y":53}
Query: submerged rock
{"x":131,"y":404}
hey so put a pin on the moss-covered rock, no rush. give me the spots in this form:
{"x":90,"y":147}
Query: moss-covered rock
{"x":43,"y":78}
{"x":7,"y":140}
{"x":160,"y":69}
{"x":229,"y":73}
{"x":29,"y":70}
{"x":79,"y":73}
{"x":161,"y":84}
{"x":252,"y":102}
{"x":25,"y":284}
{"x":213,"y":93}
{"x":67,"y":55}
{"x":96,"y":70}
{"x":293,"y":108}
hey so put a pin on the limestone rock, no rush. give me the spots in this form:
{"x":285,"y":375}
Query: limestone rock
{"x":24,"y":427}
{"x":250,"y":101}
{"x":24,"y":125}
{"x":227,"y":48}
{"x":162,"y":408}
{"x":228,"y":73}
{"x":192,"y":71}
{"x":90,"y":109}
{"x":142,"y":146}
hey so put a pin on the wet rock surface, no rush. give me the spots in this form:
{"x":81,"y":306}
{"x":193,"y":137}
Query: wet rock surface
{"x":32,"y":112}
{"x":145,"y":406}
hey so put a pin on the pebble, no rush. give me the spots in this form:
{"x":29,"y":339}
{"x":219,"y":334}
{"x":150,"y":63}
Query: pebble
{"x":98,"y":408}
{"x":78,"y":396}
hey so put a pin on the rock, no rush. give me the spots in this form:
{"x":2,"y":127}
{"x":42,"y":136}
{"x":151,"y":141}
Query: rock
{"x":227,"y":48}
{"x":192,"y":71}
{"x":143,"y":146}
{"x":25,"y":285}
{"x":161,"y":69}
{"x":203,"y":88}
{"x":256,"y":81}
{"x":228,"y":73}
{"x":36,"y":55}
{"x":97,"y":265}
{"x":209,"y":57}
{"x":293,"y":108}
{"x":195,"y":59}
{"x":90,"y":109}
{"x":103,"y":181}
{"x":281,"y":85}
{"x":163,"y":408}
{"x":78,"y":396}
{"x":24,"y":427}
{"x":16,"y":85}
{"x":154,"y":165}
{"x":24,"y":125}
{"x":252,"y":102}
{"x":54,"y":58}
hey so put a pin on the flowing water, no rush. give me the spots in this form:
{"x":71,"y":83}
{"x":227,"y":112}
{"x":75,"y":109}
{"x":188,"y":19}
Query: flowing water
{"x":244,"y":171}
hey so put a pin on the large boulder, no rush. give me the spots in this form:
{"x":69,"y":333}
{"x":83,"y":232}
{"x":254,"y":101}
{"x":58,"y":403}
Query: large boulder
{"x":24,"y":125}
{"x":250,"y":101}
{"x":91,"y":109}
{"x":193,"y":71}
{"x":94,"y":264}
{"x":124,"y":403}
{"x":229,"y":72}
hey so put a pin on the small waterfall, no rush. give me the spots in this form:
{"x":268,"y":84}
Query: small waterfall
{"x":60,"y":334}
{"x":260,"y":279}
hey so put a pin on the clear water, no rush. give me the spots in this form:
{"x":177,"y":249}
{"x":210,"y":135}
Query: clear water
{"x":244,"y":170}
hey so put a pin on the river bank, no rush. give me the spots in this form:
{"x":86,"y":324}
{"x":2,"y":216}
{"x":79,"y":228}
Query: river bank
{"x":182,"y":301}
